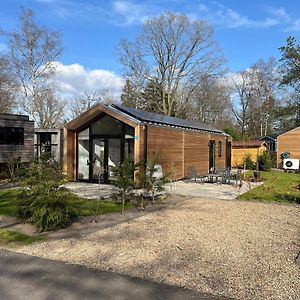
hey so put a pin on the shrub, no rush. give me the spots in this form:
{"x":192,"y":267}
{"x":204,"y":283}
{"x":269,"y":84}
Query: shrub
{"x":44,"y":202}
{"x":47,"y":211}
{"x":248,"y":162}
{"x":265,"y":161}
{"x":151,"y":183}
{"x":124,"y":178}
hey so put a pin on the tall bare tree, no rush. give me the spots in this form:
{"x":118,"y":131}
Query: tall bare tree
{"x":265,"y":78}
{"x":254,"y":98}
{"x":81,"y":104}
{"x":32,"y":50}
{"x":176,"y":51}
{"x":49,"y":108}
{"x":242,"y":94}
{"x":7,"y":88}
{"x":210,"y":103}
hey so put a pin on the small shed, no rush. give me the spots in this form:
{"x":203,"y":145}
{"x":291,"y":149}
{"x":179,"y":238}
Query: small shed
{"x":288,"y":142}
{"x":241,"y":149}
{"x":271,"y":141}
{"x":101,"y":137}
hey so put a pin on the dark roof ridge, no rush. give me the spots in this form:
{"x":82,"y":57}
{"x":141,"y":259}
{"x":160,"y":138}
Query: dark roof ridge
{"x":152,"y":117}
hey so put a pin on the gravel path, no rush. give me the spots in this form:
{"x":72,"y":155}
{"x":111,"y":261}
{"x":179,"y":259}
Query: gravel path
{"x":244,"y":250}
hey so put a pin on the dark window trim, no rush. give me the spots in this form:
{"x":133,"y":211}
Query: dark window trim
{"x":8,"y":135}
{"x":92,"y":136}
{"x":220,"y":149}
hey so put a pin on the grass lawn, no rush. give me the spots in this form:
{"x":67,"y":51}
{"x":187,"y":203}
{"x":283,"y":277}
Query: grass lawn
{"x":8,"y":201}
{"x":84,"y":207}
{"x":12,"y":237}
{"x":278,"y":186}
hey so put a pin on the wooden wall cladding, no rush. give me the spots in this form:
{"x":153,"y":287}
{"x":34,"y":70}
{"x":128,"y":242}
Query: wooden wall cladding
{"x":238,"y":154}
{"x":289,"y":142}
{"x":26,"y":151}
{"x":168,"y":143}
{"x":196,"y":151}
{"x":139,"y":133}
{"x":70,"y":154}
{"x":181,"y":149}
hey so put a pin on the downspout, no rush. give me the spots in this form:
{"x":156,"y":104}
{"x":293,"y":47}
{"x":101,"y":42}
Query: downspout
{"x":145,"y":146}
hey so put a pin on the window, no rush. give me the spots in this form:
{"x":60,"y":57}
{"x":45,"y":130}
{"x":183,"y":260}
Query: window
{"x":11,"y":136}
{"x":220,"y":149}
{"x":108,"y":126}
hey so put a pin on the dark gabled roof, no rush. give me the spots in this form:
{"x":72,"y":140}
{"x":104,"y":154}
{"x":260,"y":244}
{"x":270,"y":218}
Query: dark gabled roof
{"x":271,"y":137}
{"x":150,"y":117}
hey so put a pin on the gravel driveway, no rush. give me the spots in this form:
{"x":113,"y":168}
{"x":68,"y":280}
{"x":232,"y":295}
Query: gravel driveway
{"x":244,"y":250}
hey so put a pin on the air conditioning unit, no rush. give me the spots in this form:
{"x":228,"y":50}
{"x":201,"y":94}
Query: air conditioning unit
{"x":291,"y":164}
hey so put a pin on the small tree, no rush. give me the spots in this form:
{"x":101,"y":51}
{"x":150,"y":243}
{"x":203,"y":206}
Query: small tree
{"x":152,"y":183}
{"x":124,"y":178}
{"x":265,"y":161}
{"x":248,"y":162}
{"x":44,"y":202}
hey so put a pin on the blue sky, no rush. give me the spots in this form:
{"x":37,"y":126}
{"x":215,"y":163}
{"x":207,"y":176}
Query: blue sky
{"x":92,"y":29}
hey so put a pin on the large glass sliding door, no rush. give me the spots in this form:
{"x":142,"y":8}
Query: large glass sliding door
{"x":102,"y":146}
{"x":83,"y":155}
{"x":98,"y":163}
{"x":114,"y":155}
{"x":106,"y":154}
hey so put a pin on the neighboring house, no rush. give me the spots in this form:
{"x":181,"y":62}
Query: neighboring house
{"x":103,"y":135}
{"x":16,"y":138}
{"x":288,"y":142}
{"x":49,"y":142}
{"x":271,"y":141}
{"x":241,"y":149}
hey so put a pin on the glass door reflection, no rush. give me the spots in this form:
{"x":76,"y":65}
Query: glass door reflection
{"x":114,"y":155}
{"x":98,"y":168}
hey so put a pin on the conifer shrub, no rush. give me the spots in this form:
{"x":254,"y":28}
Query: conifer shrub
{"x":45,"y":203}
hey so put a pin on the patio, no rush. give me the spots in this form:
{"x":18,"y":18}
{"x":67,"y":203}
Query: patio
{"x":203,"y":190}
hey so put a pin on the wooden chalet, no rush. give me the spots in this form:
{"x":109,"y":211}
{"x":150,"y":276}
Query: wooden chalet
{"x":103,"y":135}
{"x":288,"y":142}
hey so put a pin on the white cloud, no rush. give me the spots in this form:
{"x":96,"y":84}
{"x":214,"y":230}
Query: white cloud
{"x":73,"y":80}
{"x":230,"y":18}
{"x":280,"y":13}
{"x":295,"y":26}
{"x":130,"y":12}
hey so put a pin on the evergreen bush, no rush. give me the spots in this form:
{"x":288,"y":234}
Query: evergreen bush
{"x":265,"y":161}
{"x":45,"y":203}
{"x":248,"y":162}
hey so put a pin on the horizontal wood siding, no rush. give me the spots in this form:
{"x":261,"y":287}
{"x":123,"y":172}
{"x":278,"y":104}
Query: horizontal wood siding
{"x":288,"y":142}
{"x":26,"y":151}
{"x":238,"y":154}
{"x":196,"y":152}
{"x":180,"y":149}
{"x":168,"y":143}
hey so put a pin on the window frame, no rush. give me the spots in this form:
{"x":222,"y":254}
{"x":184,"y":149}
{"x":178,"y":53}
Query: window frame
{"x":220,"y":149}
{"x":11,"y":136}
